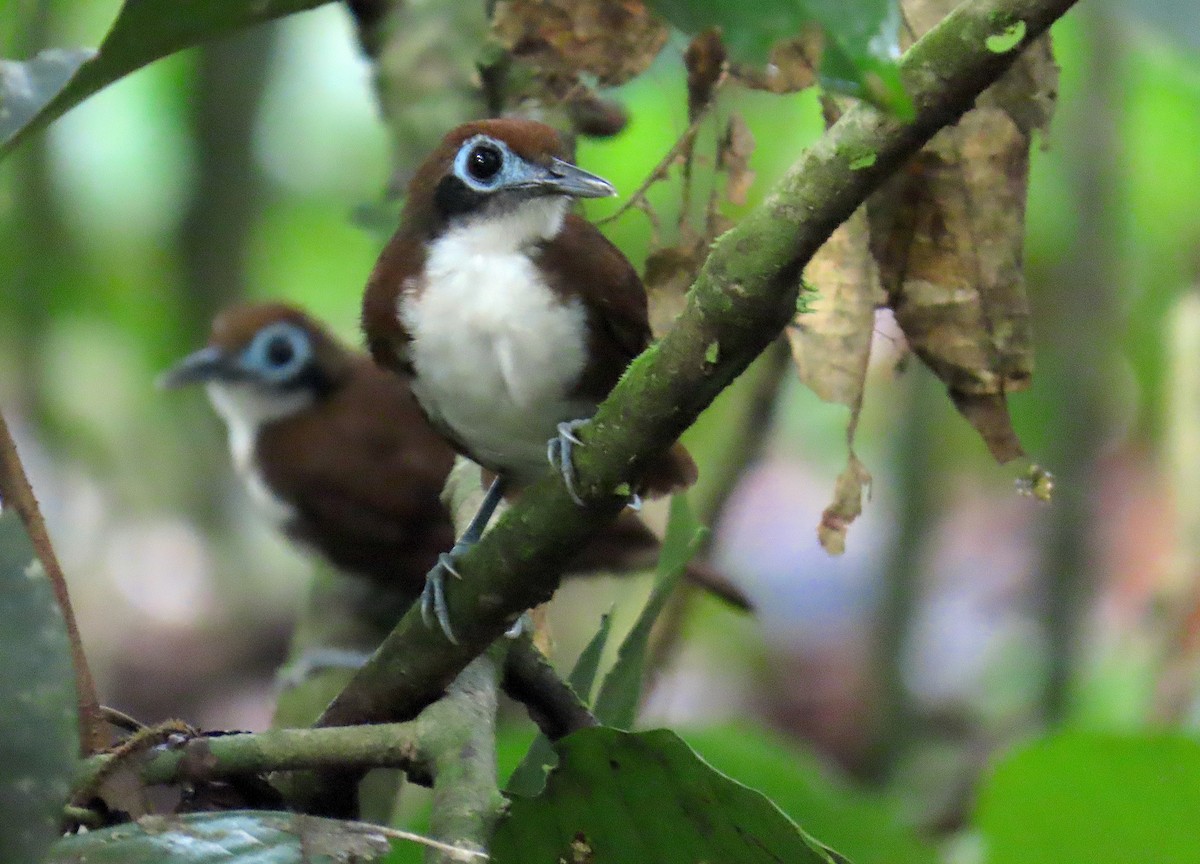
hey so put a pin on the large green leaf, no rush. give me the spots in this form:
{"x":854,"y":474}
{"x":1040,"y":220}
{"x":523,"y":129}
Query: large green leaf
{"x":232,"y":837}
{"x":39,"y":737}
{"x":861,"y":48}
{"x":631,"y":798}
{"x":860,"y":824}
{"x":617,"y":703}
{"x":530,"y":776}
{"x":1096,"y":798}
{"x":35,"y":92}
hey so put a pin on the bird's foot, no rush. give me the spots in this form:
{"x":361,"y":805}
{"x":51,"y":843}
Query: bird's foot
{"x":433,"y":596}
{"x":558,"y":451}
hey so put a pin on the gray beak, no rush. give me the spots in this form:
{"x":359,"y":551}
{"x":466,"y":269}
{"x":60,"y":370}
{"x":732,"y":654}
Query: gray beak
{"x":564,"y":178}
{"x":196,"y":368}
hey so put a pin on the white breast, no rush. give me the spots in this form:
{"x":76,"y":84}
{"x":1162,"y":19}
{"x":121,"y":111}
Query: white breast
{"x":245,"y":411}
{"x":496,"y":352}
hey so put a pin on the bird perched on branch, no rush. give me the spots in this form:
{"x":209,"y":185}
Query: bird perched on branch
{"x":513,"y":316}
{"x":336,"y":453}
{"x":331,"y":448}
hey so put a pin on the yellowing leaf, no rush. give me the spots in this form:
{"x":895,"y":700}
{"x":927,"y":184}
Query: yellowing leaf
{"x":845,"y":507}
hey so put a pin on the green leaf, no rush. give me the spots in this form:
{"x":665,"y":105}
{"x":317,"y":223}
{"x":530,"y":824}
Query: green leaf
{"x":863,"y":825}
{"x":232,"y":837}
{"x":631,"y":798}
{"x":39,"y":736}
{"x":617,"y":703}
{"x":26,"y":87}
{"x":530,"y":776}
{"x":583,"y":676}
{"x":36,"y":92}
{"x":1094,"y":797}
{"x":862,"y":44}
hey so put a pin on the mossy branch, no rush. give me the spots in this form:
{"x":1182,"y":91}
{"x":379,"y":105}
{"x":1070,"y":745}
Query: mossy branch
{"x":744,"y":296}
{"x":389,"y":745}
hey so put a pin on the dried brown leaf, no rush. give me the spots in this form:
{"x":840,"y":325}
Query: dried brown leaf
{"x":845,"y":507}
{"x":613,"y":40}
{"x":988,"y":414}
{"x":733,"y":157}
{"x":831,"y":345}
{"x":831,"y":341}
{"x":705,"y":63}
{"x":948,"y":234}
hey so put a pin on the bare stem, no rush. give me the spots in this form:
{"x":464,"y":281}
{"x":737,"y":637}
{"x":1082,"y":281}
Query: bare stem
{"x":15,"y":491}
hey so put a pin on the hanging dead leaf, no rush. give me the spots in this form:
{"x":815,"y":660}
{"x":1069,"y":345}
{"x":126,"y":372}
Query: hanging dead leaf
{"x":614,"y":40}
{"x":988,"y":413}
{"x":733,"y":157}
{"x":948,"y":233}
{"x":831,"y":345}
{"x":845,"y":507}
{"x":831,"y":340}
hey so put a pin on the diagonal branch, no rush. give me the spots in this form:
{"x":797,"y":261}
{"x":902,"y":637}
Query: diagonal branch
{"x":742,"y":299}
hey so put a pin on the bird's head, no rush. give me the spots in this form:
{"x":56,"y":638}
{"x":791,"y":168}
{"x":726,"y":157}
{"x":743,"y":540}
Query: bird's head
{"x":493,"y":168}
{"x":265,"y":359}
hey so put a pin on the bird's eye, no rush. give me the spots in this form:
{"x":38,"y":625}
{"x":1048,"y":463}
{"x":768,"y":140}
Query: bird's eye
{"x":484,"y":162}
{"x":280,"y":351}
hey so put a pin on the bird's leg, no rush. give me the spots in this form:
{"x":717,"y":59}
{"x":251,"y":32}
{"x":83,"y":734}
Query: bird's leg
{"x":433,"y":597}
{"x":558,"y":451}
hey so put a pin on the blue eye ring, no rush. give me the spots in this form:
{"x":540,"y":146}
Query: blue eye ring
{"x":278,"y":352}
{"x":486,"y":165}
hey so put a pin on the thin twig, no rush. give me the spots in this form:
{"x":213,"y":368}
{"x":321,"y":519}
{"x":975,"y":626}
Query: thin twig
{"x":15,"y":491}
{"x":660,"y":170}
{"x":459,"y":853}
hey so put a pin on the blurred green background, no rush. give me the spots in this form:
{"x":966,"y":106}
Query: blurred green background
{"x":963,"y":618}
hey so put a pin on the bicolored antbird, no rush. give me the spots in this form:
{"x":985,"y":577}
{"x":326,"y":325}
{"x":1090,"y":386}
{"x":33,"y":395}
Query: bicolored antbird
{"x":336,"y":453}
{"x":332,"y":449}
{"x":513,"y":316}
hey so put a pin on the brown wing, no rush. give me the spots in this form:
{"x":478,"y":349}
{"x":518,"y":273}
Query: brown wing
{"x":401,"y":262}
{"x":582,"y":263}
{"x":364,"y":471}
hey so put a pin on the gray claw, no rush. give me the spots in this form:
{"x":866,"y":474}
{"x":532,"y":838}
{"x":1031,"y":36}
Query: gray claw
{"x":558,"y":451}
{"x":433,"y":596}
{"x":523,"y":624}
